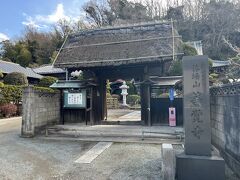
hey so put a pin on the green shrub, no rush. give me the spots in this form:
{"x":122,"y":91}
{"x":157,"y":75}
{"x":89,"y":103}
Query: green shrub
{"x":108,"y":87}
{"x":176,"y":68}
{"x":8,"y":110}
{"x":133,"y":99}
{"x":16,"y":78}
{"x":189,"y":50}
{"x":132,"y":89}
{"x":47,"y":81}
{"x":10,"y":93}
{"x":1,"y":84}
{"x":44,"y":89}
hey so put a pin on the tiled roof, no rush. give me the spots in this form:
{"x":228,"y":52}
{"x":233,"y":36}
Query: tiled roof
{"x":9,"y":67}
{"x":48,"y":69}
{"x":217,"y":63}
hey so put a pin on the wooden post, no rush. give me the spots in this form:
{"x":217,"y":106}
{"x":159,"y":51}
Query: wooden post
{"x":91,"y":115}
{"x":145,"y":99}
{"x":95,"y":106}
{"x":102,"y":104}
{"x":61,"y":108}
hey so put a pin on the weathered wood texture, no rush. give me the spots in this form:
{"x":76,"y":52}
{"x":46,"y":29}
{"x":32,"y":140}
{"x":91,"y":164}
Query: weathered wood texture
{"x":74,"y":115}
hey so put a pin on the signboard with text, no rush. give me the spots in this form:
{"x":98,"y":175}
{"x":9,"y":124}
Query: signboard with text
{"x":75,"y":99}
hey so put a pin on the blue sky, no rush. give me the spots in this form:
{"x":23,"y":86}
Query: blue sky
{"x":16,"y":14}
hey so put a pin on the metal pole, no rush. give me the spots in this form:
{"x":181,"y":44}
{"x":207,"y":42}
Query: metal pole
{"x":66,"y":74}
{"x":173,"y":39}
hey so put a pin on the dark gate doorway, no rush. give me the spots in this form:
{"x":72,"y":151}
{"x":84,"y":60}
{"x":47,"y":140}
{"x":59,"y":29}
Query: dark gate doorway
{"x":159,"y":110}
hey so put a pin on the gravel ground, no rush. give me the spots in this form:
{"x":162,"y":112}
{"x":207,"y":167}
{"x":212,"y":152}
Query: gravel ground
{"x":122,"y":161}
{"x":40,"y":159}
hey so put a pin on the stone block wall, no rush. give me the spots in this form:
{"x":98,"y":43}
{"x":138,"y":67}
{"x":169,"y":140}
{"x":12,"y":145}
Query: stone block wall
{"x":39,"y":110}
{"x":112,"y":103}
{"x":225,"y":122}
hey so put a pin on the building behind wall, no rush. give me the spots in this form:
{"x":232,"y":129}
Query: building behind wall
{"x":9,"y":67}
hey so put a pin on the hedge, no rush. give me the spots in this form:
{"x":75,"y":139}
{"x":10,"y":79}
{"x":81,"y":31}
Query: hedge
{"x":10,"y":93}
{"x":44,"y":89}
{"x":133,"y":99}
{"x":13,"y":94}
{"x":47,"y":81}
{"x":15,"y":78}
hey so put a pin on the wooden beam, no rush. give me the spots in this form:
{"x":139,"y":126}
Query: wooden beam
{"x":145,"y":99}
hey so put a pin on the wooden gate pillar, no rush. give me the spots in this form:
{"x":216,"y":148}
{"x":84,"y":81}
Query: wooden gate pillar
{"x":145,"y":99}
{"x":103,"y":100}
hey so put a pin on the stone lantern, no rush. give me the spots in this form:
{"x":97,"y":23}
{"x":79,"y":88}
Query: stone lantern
{"x":124,"y":93}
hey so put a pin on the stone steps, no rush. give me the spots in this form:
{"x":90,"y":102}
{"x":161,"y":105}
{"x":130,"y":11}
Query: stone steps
{"x":83,"y":132}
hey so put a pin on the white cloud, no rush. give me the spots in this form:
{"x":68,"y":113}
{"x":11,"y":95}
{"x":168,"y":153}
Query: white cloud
{"x":3,"y":37}
{"x":30,"y":22}
{"x":54,"y":17}
{"x":43,"y":21}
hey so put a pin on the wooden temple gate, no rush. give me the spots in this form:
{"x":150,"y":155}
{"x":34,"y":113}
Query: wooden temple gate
{"x":138,"y":52}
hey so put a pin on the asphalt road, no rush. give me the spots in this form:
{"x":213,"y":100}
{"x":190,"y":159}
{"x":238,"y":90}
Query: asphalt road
{"x":35,"y":158}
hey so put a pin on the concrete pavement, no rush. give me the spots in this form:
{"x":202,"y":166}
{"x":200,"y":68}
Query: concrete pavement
{"x":48,"y":159}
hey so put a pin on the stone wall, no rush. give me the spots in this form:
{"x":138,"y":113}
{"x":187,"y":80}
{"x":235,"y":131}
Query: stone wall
{"x":225,"y":121}
{"x":112,"y":103}
{"x":40,"y":109}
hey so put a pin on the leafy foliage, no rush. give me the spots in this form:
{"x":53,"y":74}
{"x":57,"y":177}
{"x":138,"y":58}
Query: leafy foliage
{"x":133,"y":99}
{"x":33,"y":48}
{"x":189,"y":50}
{"x":10,"y":93}
{"x":203,"y":20}
{"x":44,"y":89}
{"x":24,"y":57}
{"x":233,"y":72}
{"x":16,"y":78}
{"x":115,"y":12}
{"x":176,"y":68}
{"x":108,"y":87}
{"x":47,"y":81}
{"x":132,"y":89}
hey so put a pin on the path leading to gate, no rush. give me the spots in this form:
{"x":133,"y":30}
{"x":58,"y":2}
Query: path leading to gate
{"x":132,"y":116}
{"x":123,"y":115}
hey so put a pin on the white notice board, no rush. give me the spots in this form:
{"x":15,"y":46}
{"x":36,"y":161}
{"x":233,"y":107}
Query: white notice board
{"x":75,"y":98}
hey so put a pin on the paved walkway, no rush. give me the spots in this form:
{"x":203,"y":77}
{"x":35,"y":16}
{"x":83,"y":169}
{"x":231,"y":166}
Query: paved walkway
{"x":123,"y":115}
{"x":132,"y":116}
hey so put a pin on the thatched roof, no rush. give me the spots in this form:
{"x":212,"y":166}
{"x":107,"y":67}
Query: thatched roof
{"x":119,"y":45}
